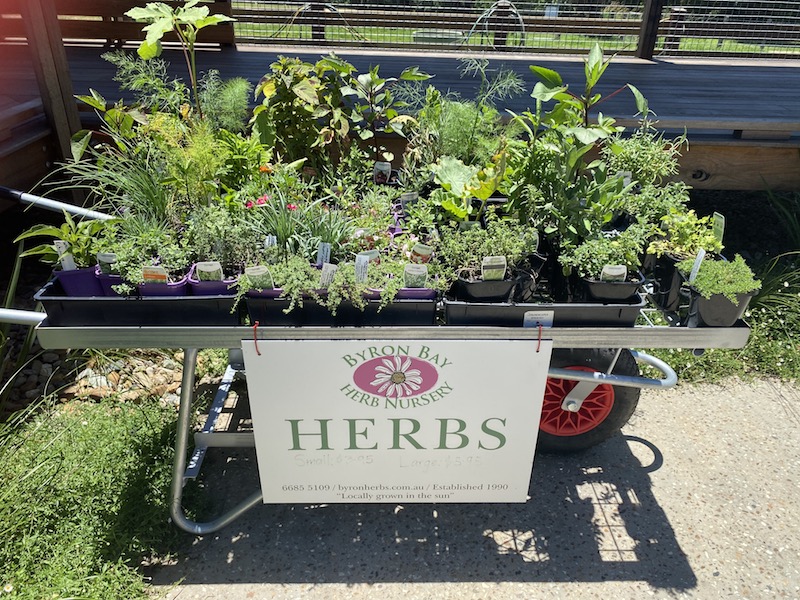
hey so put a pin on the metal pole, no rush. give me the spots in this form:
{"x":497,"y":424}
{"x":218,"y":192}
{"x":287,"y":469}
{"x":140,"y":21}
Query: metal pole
{"x":53,"y":205}
{"x":179,"y":461}
{"x":21,"y":317}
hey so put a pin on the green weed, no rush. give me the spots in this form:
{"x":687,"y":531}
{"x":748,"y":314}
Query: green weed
{"x":84,"y":498}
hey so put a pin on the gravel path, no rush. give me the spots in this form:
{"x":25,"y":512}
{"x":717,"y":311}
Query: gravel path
{"x":698,"y":499}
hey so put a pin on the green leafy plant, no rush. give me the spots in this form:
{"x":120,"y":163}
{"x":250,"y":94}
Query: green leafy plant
{"x":185,"y":21}
{"x":81,"y":236}
{"x":461,"y":183}
{"x":728,"y":278}
{"x":302,"y":112}
{"x":646,"y":155}
{"x":651,"y":203}
{"x":460,"y":253}
{"x":685,"y":235}
{"x":590,"y":258}
{"x":375,"y":107}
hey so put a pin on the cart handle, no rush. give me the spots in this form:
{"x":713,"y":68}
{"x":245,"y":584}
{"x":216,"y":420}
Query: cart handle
{"x":53,"y":205}
{"x":669,"y":380}
{"x":21,"y":317}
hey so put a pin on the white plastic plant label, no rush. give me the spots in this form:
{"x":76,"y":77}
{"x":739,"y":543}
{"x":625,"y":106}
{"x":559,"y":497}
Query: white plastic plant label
{"x":493,"y":268}
{"x":154,"y":275}
{"x":362,"y":267}
{"x":323,"y":253}
{"x":106,"y":262}
{"x":718,"y":226}
{"x":64,"y":257}
{"x":270,"y":240}
{"x":614,"y":273}
{"x":538,"y":318}
{"x":421,"y":253}
{"x":698,"y":261}
{"x":415,"y":276}
{"x":260,"y":277}
{"x":326,"y":276}
{"x":210,"y":270}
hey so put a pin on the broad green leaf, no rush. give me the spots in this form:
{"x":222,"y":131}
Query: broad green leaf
{"x":96,"y":101}
{"x":414,"y":74}
{"x":541,"y":91}
{"x":212,"y":20}
{"x":454,"y":176}
{"x":641,"y":101}
{"x":549,"y":76}
{"x":78,"y":144}
{"x":37,"y":230}
{"x":157,"y":29}
{"x":190,"y":16}
{"x":460,"y":209}
{"x":148,"y":50}
{"x":46,"y":250}
{"x":306,"y":91}
{"x":333,"y":62}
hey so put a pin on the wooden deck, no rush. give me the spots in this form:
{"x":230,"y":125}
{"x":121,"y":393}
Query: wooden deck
{"x":742,"y":117}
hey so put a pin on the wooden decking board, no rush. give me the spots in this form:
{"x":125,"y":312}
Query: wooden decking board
{"x":709,"y":96}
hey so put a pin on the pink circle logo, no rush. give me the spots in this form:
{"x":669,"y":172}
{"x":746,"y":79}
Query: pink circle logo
{"x":396,"y":376}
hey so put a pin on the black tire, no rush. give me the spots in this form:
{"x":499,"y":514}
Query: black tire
{"x":623,"y":400}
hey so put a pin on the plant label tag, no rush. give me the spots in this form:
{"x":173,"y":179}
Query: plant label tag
{"x":64,"y":257}
{"x":415,"y":276}
{"x":106,"y":262}
{"x":421,"y":253}
{"x":718,"y":226}
{"x":493,"y":268}
{"x":382,"y":172}
{"x":627,"y":177}
{"x":210,"y":270}
{"x":614,"y":273}
{"x":696,"y":266}
{"x":260,"y":277}
{"x":154,"y":275}
{"x":323,"y":253}
{"x":362,"y":265}
{"x":407,"y":198}
{"x":538,"y":318}
{"x":326,"y":277}
{"x":270,"y":240}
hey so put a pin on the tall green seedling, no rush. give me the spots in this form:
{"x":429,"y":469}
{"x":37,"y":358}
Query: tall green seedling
{"x":185,"y":21}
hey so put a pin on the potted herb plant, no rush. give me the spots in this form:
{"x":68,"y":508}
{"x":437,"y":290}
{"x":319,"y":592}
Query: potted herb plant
{"x":73,"y":249}
{"x":683,"y":235}
{"x":609,"y":265}
{"x":484,"y":264}
{"x":720,"y":291}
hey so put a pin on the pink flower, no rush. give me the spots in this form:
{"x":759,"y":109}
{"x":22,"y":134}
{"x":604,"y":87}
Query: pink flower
{"x":263,"y":200}
{"x":249,"y":204}
{"x":291,"y":206}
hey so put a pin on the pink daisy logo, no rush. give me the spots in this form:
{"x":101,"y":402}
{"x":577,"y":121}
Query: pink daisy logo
{"x":396,"y":376}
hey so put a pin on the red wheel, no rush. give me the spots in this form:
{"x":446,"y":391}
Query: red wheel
{"x":604,"y":411}
{"x":594,"y":410}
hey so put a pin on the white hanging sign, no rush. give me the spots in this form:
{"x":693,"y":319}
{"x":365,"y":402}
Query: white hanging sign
{"x":396,"y":420}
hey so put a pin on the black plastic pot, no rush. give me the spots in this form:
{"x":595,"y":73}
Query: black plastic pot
{"x":483,"y":291}
{"x":668,"y":281}
{"x":571,"y":314}
{"x":612,"y":290}
{"x":716,"y":311}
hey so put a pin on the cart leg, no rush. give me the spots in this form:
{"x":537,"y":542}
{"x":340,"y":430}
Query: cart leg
{"x":179,"y":461}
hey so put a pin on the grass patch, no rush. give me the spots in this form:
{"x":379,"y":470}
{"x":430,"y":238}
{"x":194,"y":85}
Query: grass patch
{"x":84,"y":498}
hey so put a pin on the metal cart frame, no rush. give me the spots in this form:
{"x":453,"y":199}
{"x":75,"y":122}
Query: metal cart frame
{"x":192,"y":339}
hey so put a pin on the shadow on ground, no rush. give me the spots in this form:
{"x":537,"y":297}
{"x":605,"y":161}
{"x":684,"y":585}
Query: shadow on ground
{"x":592,"y":517}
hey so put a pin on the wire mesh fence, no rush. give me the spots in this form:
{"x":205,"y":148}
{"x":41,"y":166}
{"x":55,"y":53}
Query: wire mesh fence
{"x":761,"y":28}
